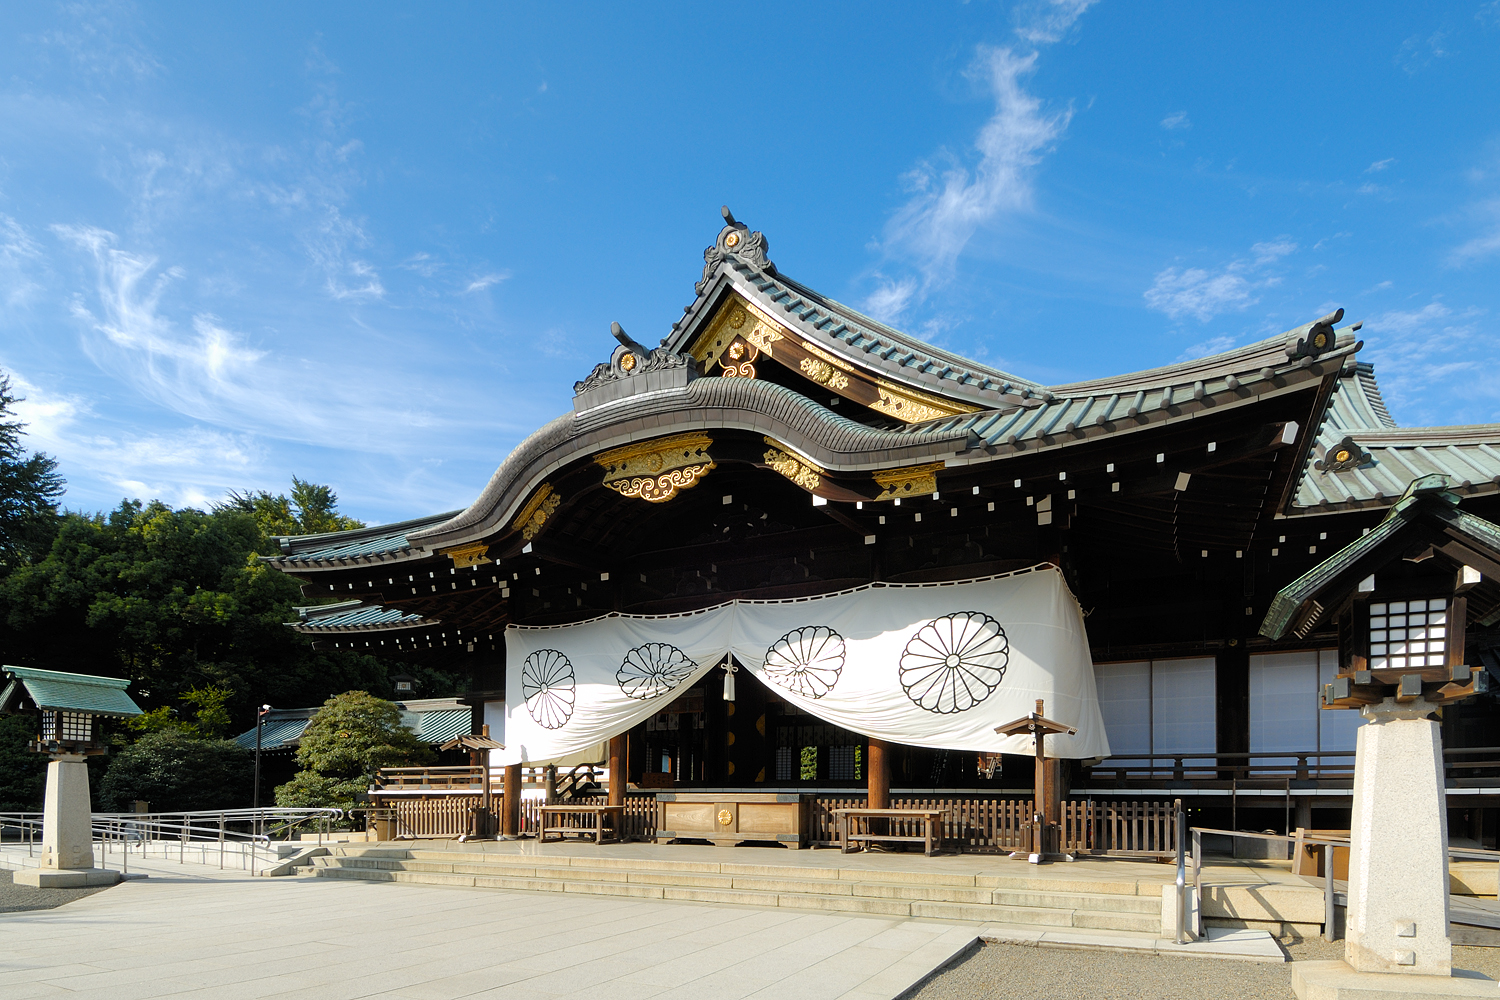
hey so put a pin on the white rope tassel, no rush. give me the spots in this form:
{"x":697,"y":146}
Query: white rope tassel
{"x":729,"y":671}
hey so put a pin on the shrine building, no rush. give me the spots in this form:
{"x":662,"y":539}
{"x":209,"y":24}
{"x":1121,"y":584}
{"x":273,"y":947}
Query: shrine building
{"x":791,"y":550}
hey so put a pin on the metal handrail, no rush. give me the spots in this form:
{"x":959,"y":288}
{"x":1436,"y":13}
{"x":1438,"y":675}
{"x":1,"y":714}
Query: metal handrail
{"x":1328,"y":844}
{"x":203,"y":826}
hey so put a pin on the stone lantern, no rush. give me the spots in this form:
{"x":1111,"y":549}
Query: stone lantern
{"x":1400,"y":599}
{"x":67,"y":708}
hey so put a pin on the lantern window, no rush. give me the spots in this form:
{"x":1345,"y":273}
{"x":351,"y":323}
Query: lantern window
{"x":67,"y":727}
{"x":1409,"y":635}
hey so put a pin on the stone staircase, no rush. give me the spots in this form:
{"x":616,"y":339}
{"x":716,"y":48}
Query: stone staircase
{"x":940,"y":895}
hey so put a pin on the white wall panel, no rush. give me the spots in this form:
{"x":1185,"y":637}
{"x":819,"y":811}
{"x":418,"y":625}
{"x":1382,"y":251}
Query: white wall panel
{"x":1125,"y":703}
{"x":1183,"y":712}
{"x":1284,"y":701}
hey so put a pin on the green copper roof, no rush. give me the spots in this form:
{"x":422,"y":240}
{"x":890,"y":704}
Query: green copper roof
{"x":57,"y":691}
{"x":1428,"y":500}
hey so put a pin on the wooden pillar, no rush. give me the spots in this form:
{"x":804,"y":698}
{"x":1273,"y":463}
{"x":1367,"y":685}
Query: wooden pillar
{"x":878,"y":767}
{"x":511,"y":826}
{"x":617,"y":770}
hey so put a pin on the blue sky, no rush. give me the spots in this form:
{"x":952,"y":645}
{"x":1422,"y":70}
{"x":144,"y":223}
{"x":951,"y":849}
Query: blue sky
{"x":375,"y":245}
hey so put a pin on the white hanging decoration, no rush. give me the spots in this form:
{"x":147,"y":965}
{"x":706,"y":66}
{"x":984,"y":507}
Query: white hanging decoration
{"x":729,"y":671}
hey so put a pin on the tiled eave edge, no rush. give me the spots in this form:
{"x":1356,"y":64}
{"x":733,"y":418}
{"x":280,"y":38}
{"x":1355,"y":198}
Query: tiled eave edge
{"x":308,"y":629}
{"x":707,"y":404}
{"x":292,"y":564}
{"x":1454,"y":452}
{"x":1043,"y":429}
{"x":854,"y":338}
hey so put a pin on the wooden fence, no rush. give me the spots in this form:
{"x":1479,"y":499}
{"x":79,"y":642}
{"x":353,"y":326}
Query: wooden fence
{"x":974,"y":824}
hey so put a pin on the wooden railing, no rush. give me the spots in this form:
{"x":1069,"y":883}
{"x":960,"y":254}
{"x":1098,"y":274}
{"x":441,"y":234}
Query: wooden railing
{"x":1459,"y":763}
{"x":436,"y":778}
{"x":982,"y":825}
{"x":973,"y":824}
{"x":449,"y":816}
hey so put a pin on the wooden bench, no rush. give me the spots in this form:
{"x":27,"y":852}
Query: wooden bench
{"x":854,"y":827}
{"x":616,"y":816}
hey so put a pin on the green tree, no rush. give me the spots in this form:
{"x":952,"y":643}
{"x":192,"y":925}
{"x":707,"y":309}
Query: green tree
{"x":176,"y":771}
{"x":210,"y":716}
{"x":350,"y":738}
{"x":310,"y":510}
{"x":23,"y":772}
{"x":29,"y":490}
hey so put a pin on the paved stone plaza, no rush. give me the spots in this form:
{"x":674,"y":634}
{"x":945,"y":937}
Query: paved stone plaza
{"x":190,"y":930}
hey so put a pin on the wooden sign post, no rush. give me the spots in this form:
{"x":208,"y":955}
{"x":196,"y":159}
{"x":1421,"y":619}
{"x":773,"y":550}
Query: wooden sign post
{"x":1046,"y":817}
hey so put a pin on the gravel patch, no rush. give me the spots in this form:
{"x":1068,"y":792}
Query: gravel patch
{"x":24,"y":897}
{"x":1006,"y":970}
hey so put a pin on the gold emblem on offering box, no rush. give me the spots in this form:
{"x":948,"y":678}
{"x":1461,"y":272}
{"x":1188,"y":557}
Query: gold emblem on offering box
{"x":540,"y":507}
{"x":725,"y":817}
{"x":913,"y":482}
{"x":657,"y":470}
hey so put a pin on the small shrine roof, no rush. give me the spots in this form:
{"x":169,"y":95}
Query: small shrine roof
{"x":354,"y":616}
{"x":1380,"y":460}
{"x":1427,"y":502}
{"x":359,"y":545}
{"x":434,"y":720}
{"x":58,"y":691}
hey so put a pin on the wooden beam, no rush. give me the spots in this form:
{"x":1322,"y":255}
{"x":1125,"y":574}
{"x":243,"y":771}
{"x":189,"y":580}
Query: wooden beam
{"x":878,"y":768}
{"x":617,"y":778}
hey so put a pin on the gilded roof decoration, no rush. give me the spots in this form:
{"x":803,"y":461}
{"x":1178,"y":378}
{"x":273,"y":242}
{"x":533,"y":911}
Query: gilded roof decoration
{"x":736,"y":240}
{"x":465,"y":556}
{"x":657,"y":470}
{"x":897,"y":484}
{"x":534,"y":515}
{"x":803,"y":473}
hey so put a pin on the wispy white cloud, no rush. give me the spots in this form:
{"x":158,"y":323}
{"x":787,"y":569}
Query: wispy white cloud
{"x":1427,"y":360}
{"x":19,"y":255}
{"x":191,"y":466}
{"x":1379,"y":165}
{"x":950,"y":200}
{"x":890,"y":298}
{"x":330,"y":244}
{"x":1204,"y":294}
{"x":1486,"y":243}
{"x":1213,"y":345}
{"x":1419,"y":51}
{"x":1042,"y":22}
{"x":100,"y":41}
{"x":481,"y":283}
{"x":1176,"y":120}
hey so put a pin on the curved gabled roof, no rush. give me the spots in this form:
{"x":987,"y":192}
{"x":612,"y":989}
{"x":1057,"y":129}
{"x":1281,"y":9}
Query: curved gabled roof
{"x":828,"y":439}
{"x":1384,"y":459}
{"x":865,"y":342}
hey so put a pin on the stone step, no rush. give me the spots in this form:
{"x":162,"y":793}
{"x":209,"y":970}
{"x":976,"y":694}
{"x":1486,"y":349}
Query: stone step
{"x":755,"y":883}
{"x":1103,"y":911}
{"x":1104,"y":902}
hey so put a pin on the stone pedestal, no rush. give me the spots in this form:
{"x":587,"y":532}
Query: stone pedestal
{"x":67,"y":816}
{"x":1398,"y":852}
{"x":67,"y":831}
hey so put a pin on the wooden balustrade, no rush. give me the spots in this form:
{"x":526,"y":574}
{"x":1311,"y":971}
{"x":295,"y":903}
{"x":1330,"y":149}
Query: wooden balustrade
{"x":972,"y":824}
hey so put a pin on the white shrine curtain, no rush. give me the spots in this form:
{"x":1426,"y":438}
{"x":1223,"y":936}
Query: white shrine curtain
{"x":929,"y":665}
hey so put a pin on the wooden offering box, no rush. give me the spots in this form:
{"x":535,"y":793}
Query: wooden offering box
{"x":729,"y":818}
